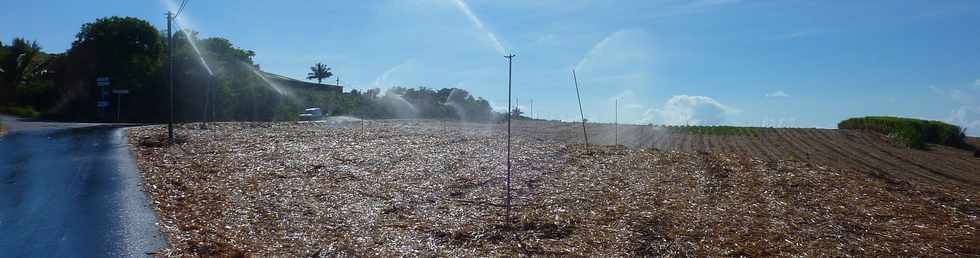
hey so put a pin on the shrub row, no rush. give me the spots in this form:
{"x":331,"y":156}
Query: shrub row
{"x":912,"y":132}
{"x":716,"y":130}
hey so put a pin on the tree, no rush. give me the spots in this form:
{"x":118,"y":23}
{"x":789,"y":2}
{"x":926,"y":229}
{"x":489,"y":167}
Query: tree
{"x":128,"y":49}
{"x":19,"y":64}
{"x":319,"y":72}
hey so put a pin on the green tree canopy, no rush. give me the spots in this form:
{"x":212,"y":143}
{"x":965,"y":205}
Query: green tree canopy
{"x":19,"y":63}
{"x":127,"y":49}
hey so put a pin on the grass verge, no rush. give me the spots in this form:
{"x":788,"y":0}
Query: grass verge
{"x":914,"y":133}
{"x":27,"y":112}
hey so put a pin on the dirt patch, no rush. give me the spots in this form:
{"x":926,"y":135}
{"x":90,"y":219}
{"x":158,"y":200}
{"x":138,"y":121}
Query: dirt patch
{"x":415,"y":189}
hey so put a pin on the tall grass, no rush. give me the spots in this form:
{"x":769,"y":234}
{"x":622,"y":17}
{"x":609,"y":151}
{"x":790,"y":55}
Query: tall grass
{"x":915,"y":133}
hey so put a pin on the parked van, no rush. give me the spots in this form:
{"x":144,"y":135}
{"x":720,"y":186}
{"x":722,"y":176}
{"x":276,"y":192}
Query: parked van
{"x":311,"y":114}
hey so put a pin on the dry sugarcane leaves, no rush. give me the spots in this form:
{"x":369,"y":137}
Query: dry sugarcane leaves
{"x":424,"y":188}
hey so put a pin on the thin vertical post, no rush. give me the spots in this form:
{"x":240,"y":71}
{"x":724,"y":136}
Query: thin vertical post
{"x":118,"y":106}
{"x":616,"y":120}
{"x":207,"y":97}
{"x":579,"y":95}
{"x":510,"y":113}
{"x":532,"y":109}
{"x":170,"y":74}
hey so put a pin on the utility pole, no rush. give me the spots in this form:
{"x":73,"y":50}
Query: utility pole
{"x":170,"y":74}
{"x":577,"y":94}
{"x":616,"y":120}
{"x":510,"y":113}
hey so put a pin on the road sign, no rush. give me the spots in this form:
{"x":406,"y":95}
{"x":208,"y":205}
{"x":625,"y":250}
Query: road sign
{"x":120,"y":91}
{"x":102,"y":81}
{"x":102,"y":104}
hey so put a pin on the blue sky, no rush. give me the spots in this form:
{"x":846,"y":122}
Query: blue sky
{"x":782,"y":63}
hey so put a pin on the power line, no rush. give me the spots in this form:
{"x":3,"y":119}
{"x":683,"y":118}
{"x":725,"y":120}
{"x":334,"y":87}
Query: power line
{"x":181,"y":9}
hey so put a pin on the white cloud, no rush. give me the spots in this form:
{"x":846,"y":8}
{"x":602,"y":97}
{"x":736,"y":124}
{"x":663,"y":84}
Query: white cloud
{"x":690,"y":110}
{"x":777,"y":94}
{"x":957,"y":95}
{"x":967,"y":117}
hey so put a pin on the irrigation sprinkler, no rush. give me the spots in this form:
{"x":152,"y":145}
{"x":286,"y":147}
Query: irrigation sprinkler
{"x":510,"y":114}
{"x":582,"y":113}
{"x":207,"y":98}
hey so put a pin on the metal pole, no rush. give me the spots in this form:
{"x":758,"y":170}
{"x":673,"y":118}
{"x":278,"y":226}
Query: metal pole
{"x":577,"y":94}
{"x":204,"y":115}
{"x":510,"y":69}
{"x":118,"y":105}
{"x":616,"y":120}
{"x":170,"y":74}
{"x":211,"y":97}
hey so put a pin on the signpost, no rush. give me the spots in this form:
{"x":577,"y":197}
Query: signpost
{"x":119,"y":94}
{"x":103,"y":103}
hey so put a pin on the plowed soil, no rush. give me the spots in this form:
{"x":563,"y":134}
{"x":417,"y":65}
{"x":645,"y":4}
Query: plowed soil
{"x":856,"y":151}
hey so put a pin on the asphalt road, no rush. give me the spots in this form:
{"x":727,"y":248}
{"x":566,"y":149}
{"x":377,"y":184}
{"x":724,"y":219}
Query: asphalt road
{"x":72,"y":190}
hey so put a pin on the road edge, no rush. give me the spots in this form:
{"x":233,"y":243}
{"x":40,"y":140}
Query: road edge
{"x":132,"y":160}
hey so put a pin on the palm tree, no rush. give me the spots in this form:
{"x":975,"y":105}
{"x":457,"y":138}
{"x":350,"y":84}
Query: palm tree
{"x":319,"y":72}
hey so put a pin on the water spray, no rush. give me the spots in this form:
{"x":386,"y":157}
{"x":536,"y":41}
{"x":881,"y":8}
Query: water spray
{"x":479,"y":25}
{"x":275,"y":87}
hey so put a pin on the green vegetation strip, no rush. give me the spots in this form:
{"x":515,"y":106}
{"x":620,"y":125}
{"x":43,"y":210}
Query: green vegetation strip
{"x":716,"y":130}
{"x":27,"y":112}
{"x":914,"y":133}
